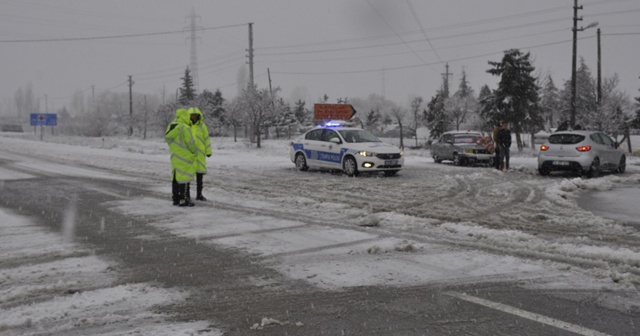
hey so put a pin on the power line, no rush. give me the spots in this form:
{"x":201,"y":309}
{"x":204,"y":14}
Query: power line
{"x":421,"y":65}
{"x":424,"y":33}
{"x":68,"y":39}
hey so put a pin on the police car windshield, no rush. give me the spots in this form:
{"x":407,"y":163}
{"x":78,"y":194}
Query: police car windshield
{"x":355,"y":136}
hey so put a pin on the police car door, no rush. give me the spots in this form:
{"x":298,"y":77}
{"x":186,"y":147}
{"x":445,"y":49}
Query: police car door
{"x":329,"y":154}
{"x":312,"y":146}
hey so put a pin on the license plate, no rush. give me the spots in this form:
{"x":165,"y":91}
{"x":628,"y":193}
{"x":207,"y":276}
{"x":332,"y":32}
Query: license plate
{"x":561,"y":163}
{"x":390,"y":162}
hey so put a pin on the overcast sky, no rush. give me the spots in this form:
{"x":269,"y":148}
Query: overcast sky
{"x":396,"y":48}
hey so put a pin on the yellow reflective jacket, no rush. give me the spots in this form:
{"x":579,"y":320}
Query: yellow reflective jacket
{"x":182,"y":147}
{"x":203,"y":142}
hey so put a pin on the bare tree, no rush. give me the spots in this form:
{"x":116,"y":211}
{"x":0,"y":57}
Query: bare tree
{"x":399,"y":115}
{"x":259,"y":110}
{"x":415,"y":110}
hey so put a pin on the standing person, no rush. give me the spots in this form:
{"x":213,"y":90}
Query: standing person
{"x":182,"y":147}
{"x":504,"y":138}
{"x":497,"y":160}
{"x":203,"y":145}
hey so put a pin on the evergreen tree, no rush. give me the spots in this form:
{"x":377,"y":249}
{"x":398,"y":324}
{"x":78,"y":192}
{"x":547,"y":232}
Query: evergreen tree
{"x":436,"y":117}
{"x":488,"y":113}
{"x":300,"y":111}
{"x":187,"y":90}
{"x":636,"y":121}
{"x":373,"y":120}
{"x":462,"y":104}
{"x":516,"y":98}
{"x":550,"y":103}
{"x":415,"y":110}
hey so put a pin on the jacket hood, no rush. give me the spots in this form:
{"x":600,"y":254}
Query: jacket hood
{"x":182,"y":116}
{"x":196,"y":111}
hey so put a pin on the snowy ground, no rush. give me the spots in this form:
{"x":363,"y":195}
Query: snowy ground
{"x":432,"y":223}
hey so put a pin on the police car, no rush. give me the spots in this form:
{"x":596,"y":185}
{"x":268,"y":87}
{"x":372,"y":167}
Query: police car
{"x":337,"y":145}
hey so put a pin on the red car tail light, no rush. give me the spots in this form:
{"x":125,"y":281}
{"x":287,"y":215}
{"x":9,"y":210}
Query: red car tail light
{"x":583,"y":148}
{"x":544,"y":148}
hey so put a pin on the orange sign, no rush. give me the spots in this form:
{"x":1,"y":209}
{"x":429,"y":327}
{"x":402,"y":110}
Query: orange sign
{"x":333,"y":111}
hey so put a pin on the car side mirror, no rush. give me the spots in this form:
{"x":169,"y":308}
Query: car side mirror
{"x":335,"y":140}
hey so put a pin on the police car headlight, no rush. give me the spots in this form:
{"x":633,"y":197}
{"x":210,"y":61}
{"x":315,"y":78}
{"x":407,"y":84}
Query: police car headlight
{"x":365,"y":153}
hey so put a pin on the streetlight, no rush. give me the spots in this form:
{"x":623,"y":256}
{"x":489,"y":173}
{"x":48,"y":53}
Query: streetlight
{"x":572,"y":121}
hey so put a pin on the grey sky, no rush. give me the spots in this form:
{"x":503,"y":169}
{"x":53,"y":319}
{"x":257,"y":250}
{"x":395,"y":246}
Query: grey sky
{"x":398,"y":48}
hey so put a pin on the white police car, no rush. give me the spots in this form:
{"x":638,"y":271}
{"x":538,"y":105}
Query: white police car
{"x":337,"y":145}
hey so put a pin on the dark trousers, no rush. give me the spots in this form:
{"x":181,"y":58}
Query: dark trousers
{"x":199,"y":183}
{"x":178,"y":190}
{"x":504,"y":153}
{"x":497,"y":160}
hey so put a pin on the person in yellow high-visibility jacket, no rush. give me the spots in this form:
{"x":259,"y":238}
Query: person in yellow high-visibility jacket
{"x":182,"y":147}
{"x":203,"y":150}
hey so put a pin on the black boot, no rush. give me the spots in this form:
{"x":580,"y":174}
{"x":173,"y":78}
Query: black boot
{"x":186,"y":203}
{"x":199,"y":185}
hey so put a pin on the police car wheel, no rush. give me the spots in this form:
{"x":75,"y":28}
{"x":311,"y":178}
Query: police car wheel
{"x":301,"y":162}
{"x":350,"y":166}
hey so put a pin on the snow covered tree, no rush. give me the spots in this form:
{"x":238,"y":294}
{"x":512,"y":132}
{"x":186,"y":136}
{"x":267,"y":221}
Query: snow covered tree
{"x":260,"y":111}
{"x":187,"y":90}
{"x":399,"y":114}
{"x":516,"y":98}
{"x":301,"y":113}
{"x":234,"y":115}
{"x":488,"y":113}
{"x":636,"y":121}
{"x":550,"y":103}
{"x":212,"y":107}
{"x":462,"y":104}
{"x":372,"y":120}
{"x":436,"y":117}
{"x":415,"y":111}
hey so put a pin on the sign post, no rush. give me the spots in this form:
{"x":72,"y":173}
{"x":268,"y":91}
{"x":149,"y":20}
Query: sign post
{"x":43,"y":119}
{"x":333,"y":111}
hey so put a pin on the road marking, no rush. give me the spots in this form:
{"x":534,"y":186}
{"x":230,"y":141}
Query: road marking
{"x":528,"y":315}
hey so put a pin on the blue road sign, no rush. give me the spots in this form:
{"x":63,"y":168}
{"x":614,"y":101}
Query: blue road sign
{"x":44,"y":119}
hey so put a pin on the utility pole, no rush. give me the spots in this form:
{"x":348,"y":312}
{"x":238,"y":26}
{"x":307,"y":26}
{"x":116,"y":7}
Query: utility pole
{"x":270,"y":89}
{"x":599,"y":72}
{"x":446,"y":81}
{"x":130,"y":106}
{"x":250,"y":50}
{"x":193,"y":64}
{"x":572,"y":120}
{"x":144,"y":134}
{"x":93,"y":98}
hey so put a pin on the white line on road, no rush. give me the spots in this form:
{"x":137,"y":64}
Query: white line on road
{"x":528,"y":315}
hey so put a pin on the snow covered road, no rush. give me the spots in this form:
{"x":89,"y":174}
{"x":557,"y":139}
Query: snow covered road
{"x":431,"y":224}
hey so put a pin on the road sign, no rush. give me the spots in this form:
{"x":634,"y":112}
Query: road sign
{"x":333,"y":111}
{"x":44,"y":119}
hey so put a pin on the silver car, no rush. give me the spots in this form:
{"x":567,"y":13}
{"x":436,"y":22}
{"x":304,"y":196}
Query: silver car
{"x":583,"y":152}
{"x":463,"y":148}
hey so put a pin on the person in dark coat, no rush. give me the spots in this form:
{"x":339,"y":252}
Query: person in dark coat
{"x":504,"y":142}
{"x":497,"y":158}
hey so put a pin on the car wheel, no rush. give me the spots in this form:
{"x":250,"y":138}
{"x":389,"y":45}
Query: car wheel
{"x":390,"y":172}
{"x":544,"y":170}
{"x":622,"y":166}
{"x":301,"y":162}
{"x":594,"y":169}
{"x":350,"y":166}
{"x":457,"y":161}
{"x":437,"y":159}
